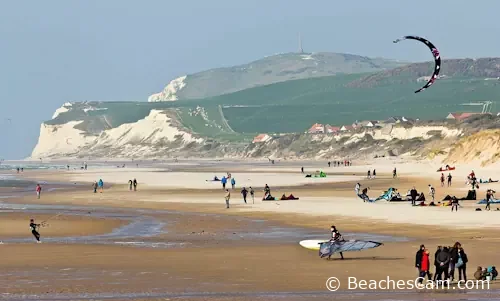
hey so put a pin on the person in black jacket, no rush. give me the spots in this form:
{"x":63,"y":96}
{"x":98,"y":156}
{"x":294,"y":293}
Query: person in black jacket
{"x":439,"y":249}
{"x":462,"y":264}
{"x":454,"y":259}
{"x":414,"y":195}
{"x":443,"y":263}
{"x":418,"y":257}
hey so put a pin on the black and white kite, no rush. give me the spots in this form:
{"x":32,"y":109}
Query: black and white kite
{"x":435,"y":53}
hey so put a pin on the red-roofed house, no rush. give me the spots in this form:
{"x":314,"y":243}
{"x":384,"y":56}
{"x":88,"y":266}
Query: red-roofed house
{"x":316,"y":128}
{"x":460,"y":116}
{"x":332,"y":129}
{"x":261,"y":138}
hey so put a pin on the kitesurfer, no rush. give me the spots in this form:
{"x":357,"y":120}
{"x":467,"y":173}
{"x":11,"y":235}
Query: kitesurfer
{"x":267,"y":191}
{"x":336,"y":237}
{"x":34,"y":231}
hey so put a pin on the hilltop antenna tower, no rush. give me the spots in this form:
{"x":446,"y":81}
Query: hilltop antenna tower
{"x":300,"y":44}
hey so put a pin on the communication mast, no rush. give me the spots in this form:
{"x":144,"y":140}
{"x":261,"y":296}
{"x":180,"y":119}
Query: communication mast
{"x":300,"y":44}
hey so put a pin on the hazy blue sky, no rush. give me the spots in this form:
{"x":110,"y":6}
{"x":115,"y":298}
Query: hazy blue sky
{"x":57,"y":51}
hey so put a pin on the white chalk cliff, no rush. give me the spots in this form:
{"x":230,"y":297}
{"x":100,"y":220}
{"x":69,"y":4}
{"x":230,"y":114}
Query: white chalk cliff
{"x":169,"y":93}
{"x":148,"y":137}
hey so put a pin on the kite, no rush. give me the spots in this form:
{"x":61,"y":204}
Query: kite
{"x":435,"y":53}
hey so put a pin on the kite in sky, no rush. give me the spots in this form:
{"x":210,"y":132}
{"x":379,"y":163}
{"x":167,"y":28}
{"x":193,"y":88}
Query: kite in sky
{"x":435,"y":53}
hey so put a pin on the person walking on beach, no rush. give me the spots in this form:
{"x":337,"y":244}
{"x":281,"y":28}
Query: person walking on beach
{"x":368,"y":175}
{"x":34,"y":230}
{"x":424,"y":266}
{"x":223,"y":181}
{"x":329,"y":164}
{"x":244,"y":193}
{"x":454,"y":204}
{"x":135,"y":184}
{"x":436,"y":266}
{"x":233,"y":183}
{"x":227,"y":197}
{"x":442,"y":179}
{"x":374,"y":173}
{"x":302,"y":169}
{"x":449,"y":179}
{"x":454,"y":259}
{"x":336,"y":237}
{"x":394,"y":173}
{"x":101,"y":185}
{"x":252,"y":194}
{"x":38,"y":190}
{"x":95,"y":185}
{"x":432,"y":192}
{"x":461,"y":264}
{"x":488,"y":200}
{"x":418,"y":257}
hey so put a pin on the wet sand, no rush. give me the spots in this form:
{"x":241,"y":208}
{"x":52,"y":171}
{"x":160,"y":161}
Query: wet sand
{"x":248,"y":252}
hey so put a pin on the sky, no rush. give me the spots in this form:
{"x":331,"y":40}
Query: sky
{"x":56,"y":51}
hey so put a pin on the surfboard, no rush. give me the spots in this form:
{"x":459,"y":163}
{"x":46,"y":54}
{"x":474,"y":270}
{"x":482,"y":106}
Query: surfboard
{"x":344,"y":246}
{"x":312,"y":244}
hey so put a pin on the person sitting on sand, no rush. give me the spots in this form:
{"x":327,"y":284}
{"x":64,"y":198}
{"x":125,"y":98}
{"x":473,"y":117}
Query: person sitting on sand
{"x":216,"y":178}
{"x":336,"y":237}
{"x":478,"y":274}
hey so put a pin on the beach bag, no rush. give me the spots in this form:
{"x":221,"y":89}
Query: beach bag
{"x":460,"y":262}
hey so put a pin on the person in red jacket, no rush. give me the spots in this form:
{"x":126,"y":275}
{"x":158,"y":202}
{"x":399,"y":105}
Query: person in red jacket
{"x":425,"y":266}
{"x":38,"y":190}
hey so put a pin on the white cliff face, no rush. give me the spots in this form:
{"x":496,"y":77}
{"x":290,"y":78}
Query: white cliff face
{"x":170,"y":91}
{"x":60,"y":139}
{"x":140,"y":139}
{"x":65,"y":108}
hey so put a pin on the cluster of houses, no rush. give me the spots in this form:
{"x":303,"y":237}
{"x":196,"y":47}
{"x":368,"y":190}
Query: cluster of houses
{"x":328,"y":129}
{"x":318,"y":128}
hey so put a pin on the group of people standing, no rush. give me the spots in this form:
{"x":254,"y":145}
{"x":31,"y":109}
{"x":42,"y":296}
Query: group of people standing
{"x":340,"y":163}
{"x":446,"y":260}
{"x":449,"y":177}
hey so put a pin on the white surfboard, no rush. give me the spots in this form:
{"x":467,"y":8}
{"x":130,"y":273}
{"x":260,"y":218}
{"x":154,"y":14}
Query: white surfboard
{"x":311,"y":244}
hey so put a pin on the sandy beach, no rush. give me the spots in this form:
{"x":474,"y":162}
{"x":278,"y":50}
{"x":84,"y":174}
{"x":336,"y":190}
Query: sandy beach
{"x":178,"y":239}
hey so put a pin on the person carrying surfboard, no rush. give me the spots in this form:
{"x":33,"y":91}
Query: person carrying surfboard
{"x":336,"y":237}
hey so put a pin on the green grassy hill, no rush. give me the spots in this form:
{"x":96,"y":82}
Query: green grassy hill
{"x":293,"y":106}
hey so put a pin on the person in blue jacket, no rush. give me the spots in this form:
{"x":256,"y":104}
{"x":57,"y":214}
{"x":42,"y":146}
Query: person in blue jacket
{"x":223,"y":181}
{"x":233,"y":182}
